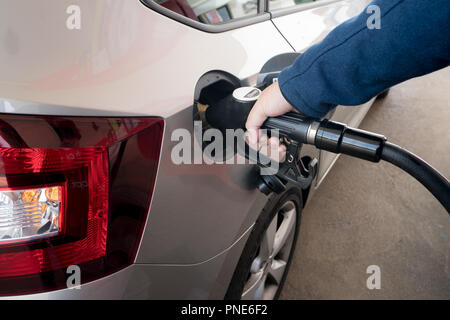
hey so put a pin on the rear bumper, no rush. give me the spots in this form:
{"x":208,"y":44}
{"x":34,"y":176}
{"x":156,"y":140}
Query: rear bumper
{"x":206,"y":280}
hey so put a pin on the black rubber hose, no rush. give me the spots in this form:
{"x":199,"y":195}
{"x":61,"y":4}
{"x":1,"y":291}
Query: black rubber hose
{"x":436,"y":183}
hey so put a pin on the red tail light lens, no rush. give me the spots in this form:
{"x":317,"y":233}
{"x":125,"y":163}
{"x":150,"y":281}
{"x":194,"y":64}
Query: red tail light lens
{"x":73,"y":191}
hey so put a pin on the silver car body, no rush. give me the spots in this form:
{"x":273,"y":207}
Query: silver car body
{"x":129,"y":60}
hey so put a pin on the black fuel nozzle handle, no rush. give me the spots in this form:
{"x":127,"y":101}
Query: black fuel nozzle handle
{"x":328,"y":135}
{"x":292,"y":125}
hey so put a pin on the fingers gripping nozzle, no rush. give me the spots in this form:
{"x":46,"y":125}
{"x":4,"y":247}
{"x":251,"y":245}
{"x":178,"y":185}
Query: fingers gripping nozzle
{"x":292,"y":128}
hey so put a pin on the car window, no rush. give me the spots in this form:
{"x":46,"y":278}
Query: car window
{"x":281,"y":4}
{"x":211,"y":11}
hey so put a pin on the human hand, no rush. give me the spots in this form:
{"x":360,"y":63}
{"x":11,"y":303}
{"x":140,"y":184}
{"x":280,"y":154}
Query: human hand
{"x":270,"y":103}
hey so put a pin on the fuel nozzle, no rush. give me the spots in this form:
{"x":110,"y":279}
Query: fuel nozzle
{"x":328,"y":135}
{"x":231,"y":111}
{"x":294,"y":126}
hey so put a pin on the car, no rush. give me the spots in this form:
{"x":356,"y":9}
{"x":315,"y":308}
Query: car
{"x":92,"y":205}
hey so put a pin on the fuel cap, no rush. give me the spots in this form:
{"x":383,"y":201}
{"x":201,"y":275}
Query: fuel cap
{"x":246,"y":94}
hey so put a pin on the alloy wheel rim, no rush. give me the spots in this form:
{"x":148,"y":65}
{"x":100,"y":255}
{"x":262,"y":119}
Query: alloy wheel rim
{"x":269,"y":266}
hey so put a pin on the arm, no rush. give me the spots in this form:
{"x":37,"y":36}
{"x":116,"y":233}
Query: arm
{"x":355,"y":63}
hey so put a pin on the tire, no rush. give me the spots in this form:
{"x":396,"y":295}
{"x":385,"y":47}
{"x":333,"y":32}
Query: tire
{"x":277,"y":210}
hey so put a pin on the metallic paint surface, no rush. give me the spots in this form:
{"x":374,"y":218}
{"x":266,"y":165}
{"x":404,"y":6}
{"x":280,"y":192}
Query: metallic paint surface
{"x":125,"y":57}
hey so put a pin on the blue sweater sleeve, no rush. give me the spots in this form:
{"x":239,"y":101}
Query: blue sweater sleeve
{"x":355,"y":63}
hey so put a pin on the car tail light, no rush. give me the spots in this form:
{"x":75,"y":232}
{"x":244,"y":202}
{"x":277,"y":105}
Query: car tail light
{"x":73,"y":191}
{"x":30,"y":213}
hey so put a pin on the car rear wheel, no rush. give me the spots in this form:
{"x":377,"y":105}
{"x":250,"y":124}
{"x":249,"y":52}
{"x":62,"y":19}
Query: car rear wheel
{"x":263,"y":266}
